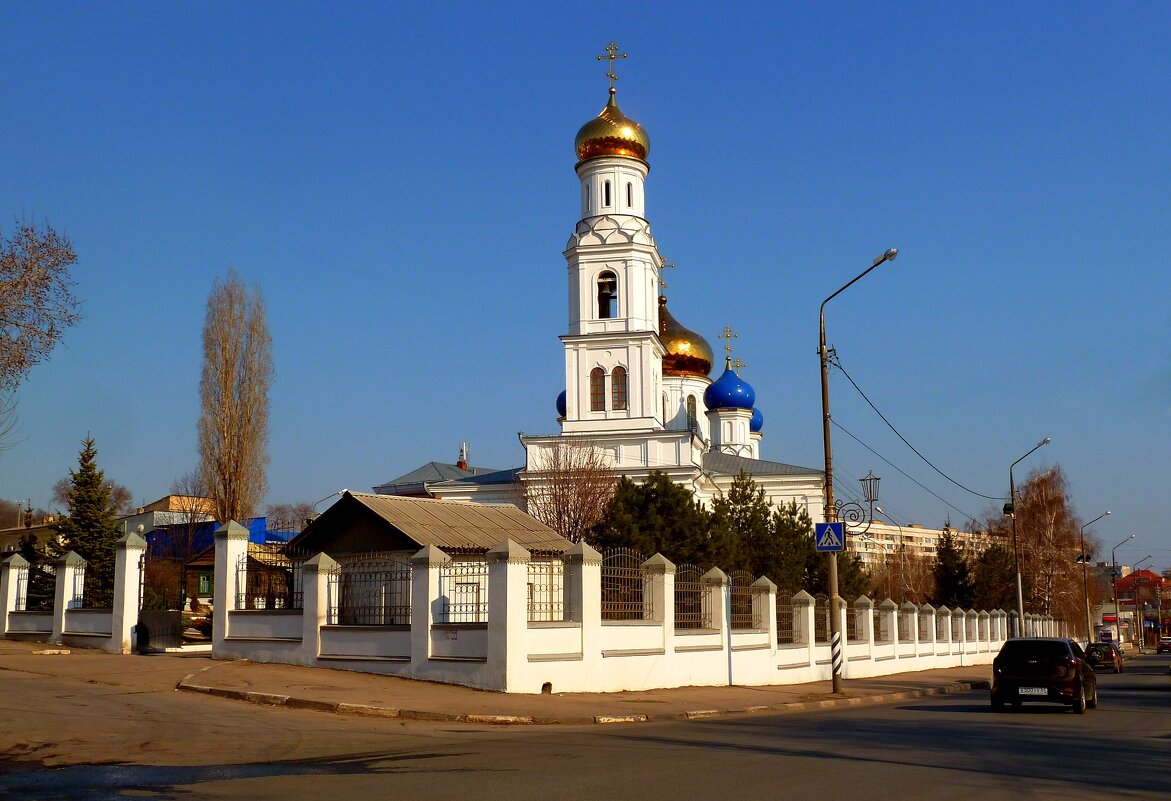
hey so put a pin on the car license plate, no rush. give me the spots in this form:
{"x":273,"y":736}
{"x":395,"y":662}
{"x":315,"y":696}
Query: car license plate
{"x":1032,"y":691}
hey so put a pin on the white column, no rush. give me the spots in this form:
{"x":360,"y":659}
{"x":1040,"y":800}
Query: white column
{"x":928,"y":611}
{"x":315,"y":575}
{"x":63,"y":596}
{"x":910,"y":617}
{"x":660,"y":589}
{"x":231,"y":543}
{"x":803,"y":613}
{"x":583,"y":591}
{"x":863,"y":613}
{"x":508,"y":615}
{"x":888,"y":610}
{"x":764,"y":607}
{"x":424,"y":595}
{"x":714,"y":585}
{"x":9,"y":572}
{"x":127,"y":585}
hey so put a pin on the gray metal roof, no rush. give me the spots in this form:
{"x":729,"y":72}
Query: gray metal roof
{"x":457,"y":526}
{"x":728,"y":465}
{"x":432,"y":473}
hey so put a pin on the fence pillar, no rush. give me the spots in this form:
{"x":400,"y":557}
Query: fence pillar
{"x":715,"y":589}
{"x":863,"y":613}
{"x":803,"y":631}
{"x":764,"y":607}
{"x":583,"y":596}
{"x":909,"y":624}
{"x":127,"y":588}
{"x":10,"y":569}
{"x":927,"y":612}
{"x":659,"y":573}
{"x":315,"y":575}
{"x":63,"y":595}
{"x":508,"y":614}
{"x":424,"y":602}
{"x":888,"y":612}
{"x":231,"y":543}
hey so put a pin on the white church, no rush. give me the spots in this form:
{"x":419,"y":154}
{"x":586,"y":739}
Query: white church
{"x":638,"y":385}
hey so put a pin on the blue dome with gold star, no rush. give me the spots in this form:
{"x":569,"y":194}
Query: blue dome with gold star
{"x":729,"y":391}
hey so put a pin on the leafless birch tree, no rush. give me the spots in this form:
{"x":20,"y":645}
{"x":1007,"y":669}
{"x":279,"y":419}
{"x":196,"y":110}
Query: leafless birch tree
{"x":568,"y":486}
{"x":233,"y":394}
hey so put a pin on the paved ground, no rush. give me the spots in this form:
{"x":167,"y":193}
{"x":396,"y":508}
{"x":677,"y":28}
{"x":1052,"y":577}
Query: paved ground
{"x":337,"y":691}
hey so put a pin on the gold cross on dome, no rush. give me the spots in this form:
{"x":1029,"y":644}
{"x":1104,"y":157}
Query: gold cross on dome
{"x":666,"y":265}
{"x":611,"y":54}
{"x":727,"y":336}
{"x":737,"y":363}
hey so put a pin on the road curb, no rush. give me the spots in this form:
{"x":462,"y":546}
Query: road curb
{"x":371,"y":710}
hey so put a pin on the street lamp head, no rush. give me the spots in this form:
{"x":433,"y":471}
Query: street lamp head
{"x":1045,"y":441}
{"x":870,"y":486}
{"x":889,"y":255}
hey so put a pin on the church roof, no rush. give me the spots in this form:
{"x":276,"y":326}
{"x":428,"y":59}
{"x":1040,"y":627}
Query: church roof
{"x":430,"y":473}
{"x":495,"y":477}
{"x":728,"y":465}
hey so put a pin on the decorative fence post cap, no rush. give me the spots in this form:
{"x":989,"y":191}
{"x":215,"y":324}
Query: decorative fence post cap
{"x":863,"y":600}
{"x":659,"y":564}
{"x":908,"y":607}
{"x":763,"y":584}
{"x":888,"y":604}
{"x":132,"y":541}
{"x":927,"y":608}
{"x":508,"y":551}
{"x":71,"y":559}
{"x":232,"y":531}
{"x":322,"y":563}
{"x":430,"y":556}
{"x":943,"y":610}
{"x":802,"y":597}
{"x":582,"y":554}
{"x":14,"y":561}
{"x":714,"y":578}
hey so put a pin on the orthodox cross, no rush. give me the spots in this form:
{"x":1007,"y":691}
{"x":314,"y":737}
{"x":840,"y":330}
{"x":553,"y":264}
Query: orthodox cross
{"x":666,"y":265}
{"x":737,"y":363}
{"x":728,"y":336}
{"x":611,"y":54}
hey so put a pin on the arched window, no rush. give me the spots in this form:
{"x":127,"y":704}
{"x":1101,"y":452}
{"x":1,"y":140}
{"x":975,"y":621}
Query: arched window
{"x":597,"y":390}
{"x":629,"y":195}
{"x":606,"y":194}
{"x":665,"y":421}
{"x":618,"y":388}
{"x":691,"y":418}
{"x":587,"y":198}
{"x":607,"y":295}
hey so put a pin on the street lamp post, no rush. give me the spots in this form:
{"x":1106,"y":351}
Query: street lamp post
{"x":830,"y":510}
{"x":1085,"y":579}
{"x":1114,"y":585}
{"x":1140,"y":635}
{"x":1010,"y":509}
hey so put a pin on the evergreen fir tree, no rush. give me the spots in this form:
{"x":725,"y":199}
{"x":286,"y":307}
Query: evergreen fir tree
{"x":953,"y":576}
{"x":657,"y":516}
{"x":789,"y":558}
{"x":742,"y":532}
{"x":994,"y":584}
{"x":90,"y":529}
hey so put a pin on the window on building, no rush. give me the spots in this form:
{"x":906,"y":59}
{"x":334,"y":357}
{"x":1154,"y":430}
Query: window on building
{"x":597,"y":390}
{"x":665,"y":420}
{"x":630,"y":196}
{"x":606,"y":194}
{"x":691,"y":418}
{"x":618,"y":388}
{"x":205,"y":583}
{"x":607,"y":295}
{"x":587,"y":198}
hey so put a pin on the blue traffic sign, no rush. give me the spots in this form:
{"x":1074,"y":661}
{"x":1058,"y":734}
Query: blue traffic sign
{"x":830,"y":536}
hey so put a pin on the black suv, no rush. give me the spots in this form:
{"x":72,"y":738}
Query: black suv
{"x":1051,"y":669}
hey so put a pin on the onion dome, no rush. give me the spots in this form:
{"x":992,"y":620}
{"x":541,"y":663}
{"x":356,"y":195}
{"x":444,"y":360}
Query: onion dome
{"x":611,"y":133}
{"x":687,"y":352}
{"x":729,"y":391}
{"x":561,"y":404}
{"x":757,"y":422}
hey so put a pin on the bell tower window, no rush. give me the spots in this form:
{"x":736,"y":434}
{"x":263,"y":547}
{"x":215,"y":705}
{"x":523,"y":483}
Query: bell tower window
{"x":629,"y":195}
{"x":606,"y":194}
{"x":607,"y":295}
{"x":691,"y":418}
{"x":618,"y":389}
{"x":597,"y":390}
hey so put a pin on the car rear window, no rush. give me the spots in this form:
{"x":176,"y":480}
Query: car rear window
{"x":1034,"y":649}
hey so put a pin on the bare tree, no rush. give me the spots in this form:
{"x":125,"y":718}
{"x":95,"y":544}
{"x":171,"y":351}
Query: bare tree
{"x":120,"y":497}
{"x":288,"y":516}
{"x":36,"y":298}
{"x":233,"y":393}
{"x":191,"y":508}
{"x":568,"y":487}
{"x":9,"y":437}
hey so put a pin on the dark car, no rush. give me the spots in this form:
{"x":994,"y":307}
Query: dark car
{"x":1164,"y":646}
{"x":1049,"y":669}
{"x":1105,"y":655}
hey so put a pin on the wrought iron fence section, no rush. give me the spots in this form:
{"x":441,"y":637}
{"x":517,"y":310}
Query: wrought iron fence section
{"x":744,"y":614}
{"x":76,"y":597}
{"x":269,"y":577}
{"x":371,"y":590}
{"x":463,"y":588}
{"x":786,"y":630}
{"x":692,"y":608}
{"x":624,"y":590}
{"x":852,"y":622}
{"x":820,"y":618}
{"x":546,"y":591}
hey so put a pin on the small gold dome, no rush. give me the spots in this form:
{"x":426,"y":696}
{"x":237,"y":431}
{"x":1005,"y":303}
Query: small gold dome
{"x":611,"y":133}
{"x":687,"y":352}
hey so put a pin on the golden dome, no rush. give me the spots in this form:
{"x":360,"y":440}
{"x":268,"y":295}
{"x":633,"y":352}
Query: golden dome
{"x":611,"y":133}
{"x":687,"y":352}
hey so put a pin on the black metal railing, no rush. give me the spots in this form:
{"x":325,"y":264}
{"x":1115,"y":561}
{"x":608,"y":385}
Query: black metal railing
{"x":370,"y":590}
{"x":463,"y":590}
{"x":546,"y":591}
{"x":624,"y":580}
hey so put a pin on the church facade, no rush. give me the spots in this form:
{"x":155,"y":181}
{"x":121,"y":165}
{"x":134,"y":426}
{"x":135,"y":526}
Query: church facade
{"x":639,"y":393}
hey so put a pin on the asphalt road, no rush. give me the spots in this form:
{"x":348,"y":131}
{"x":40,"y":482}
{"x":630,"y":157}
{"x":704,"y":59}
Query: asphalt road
{"x":68,"y":739}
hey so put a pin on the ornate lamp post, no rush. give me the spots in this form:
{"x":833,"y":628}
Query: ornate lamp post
{"x":1010,"y":510}
{"x":830,"y":507}
{"x":1085,"y":579}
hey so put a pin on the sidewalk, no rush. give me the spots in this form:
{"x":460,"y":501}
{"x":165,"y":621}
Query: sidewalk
{"x":344,"y":692}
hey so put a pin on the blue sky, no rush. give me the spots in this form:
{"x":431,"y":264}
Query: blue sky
{"x":398,"y":181}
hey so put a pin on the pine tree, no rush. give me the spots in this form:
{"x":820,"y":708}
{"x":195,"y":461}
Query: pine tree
{"x":953,"y":576}
{"x":742,"y":532}
{"x":789,"y":558}
{"x":657,"y":516}
{"x":90,"y":528}
{"x":994,"y":583}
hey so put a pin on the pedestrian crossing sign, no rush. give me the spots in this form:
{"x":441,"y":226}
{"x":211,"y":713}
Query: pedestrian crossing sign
{"x":830,"y":536}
